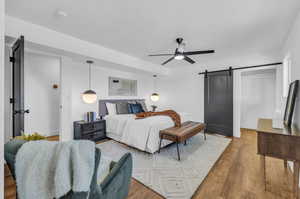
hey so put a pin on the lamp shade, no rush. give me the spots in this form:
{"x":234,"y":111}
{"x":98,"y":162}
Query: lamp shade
{"x":154,"y":97}
{"x":89,"y":96}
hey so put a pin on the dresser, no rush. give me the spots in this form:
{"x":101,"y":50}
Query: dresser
{"x":279,"y":143}
{"x":95,"y":130}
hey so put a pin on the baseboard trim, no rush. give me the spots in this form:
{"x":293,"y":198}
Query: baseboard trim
{"x":247,"y":129}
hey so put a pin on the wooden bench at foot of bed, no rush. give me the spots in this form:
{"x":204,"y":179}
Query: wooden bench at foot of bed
{"x":181,"y":134}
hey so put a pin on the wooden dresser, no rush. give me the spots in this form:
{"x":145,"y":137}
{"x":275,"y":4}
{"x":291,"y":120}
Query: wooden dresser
{"x":279,"y":143}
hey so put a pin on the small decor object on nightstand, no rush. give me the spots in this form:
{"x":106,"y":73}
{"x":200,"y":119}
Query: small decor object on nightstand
{"x":153,"y":108}
{"x":90,"y":116}
{"x":94,"y":130}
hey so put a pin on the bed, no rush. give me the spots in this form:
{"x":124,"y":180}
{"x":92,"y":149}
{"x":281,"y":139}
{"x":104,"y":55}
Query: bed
{"x":142,"y":134}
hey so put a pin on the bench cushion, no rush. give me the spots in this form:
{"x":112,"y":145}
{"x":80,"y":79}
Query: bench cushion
{"x":179,"y":134}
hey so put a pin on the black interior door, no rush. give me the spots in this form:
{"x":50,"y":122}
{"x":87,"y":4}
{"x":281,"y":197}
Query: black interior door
{"x":218,"y":102}
{"x":17,"y":100}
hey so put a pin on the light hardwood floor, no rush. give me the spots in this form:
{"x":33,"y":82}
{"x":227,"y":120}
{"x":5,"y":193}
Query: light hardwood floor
{"x":236,"y":175}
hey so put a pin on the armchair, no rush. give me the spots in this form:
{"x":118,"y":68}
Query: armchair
{"x":114,"y":186}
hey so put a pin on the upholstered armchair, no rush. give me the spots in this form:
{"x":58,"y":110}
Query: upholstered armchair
{"x":114,"y":186}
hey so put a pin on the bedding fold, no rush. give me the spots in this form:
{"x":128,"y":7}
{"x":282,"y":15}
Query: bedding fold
{"x":170,"y":113}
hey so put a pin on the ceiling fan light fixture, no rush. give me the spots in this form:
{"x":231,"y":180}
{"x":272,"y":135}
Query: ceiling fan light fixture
{"x":181,"y":54}
{"x":179,"y":57}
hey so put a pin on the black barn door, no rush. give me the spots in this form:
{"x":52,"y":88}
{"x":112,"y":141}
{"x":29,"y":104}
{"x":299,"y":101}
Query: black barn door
{"x":218,"y":102}
{"x":17,"y":100}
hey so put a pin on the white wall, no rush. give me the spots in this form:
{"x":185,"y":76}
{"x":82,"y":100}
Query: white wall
{"x":79,"y":83}
{"x":237,"y":98}
{"x":41,"y":72}
{"x":183,"y":92}
{"x":292,"y":47}
{"x":258,"y":96}
{"x":66,"y":79}
{"x":280,"y":102}
{"x":2,"y":11}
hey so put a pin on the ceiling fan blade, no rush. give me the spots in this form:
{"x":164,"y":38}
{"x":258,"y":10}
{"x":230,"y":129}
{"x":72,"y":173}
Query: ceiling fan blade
{"x":160,"y":55}
{"x":189,"y":60}
{"x":198,"y":52}
{"x":168,"y":61}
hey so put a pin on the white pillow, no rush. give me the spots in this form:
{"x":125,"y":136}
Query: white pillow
{"x":111,"y":108}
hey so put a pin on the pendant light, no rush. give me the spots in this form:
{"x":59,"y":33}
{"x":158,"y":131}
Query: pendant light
{"x":155,"y":96}
{"x":89,"y":96}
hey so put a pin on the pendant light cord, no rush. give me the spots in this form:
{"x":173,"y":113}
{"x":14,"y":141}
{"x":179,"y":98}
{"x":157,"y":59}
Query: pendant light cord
{"x":90,"y":62}
{"x":154,"y":83}
{"x":90,"y":77}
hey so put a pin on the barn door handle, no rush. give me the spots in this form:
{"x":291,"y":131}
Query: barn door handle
{"x":21,"y":111}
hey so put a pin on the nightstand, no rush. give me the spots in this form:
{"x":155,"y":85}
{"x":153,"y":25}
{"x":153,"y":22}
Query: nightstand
{"x":95,"y":130}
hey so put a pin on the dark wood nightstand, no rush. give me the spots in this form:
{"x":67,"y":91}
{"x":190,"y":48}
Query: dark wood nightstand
{"x":95,"y":130}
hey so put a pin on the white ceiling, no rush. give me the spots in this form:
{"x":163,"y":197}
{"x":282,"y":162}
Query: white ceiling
{"x":141,"y":27}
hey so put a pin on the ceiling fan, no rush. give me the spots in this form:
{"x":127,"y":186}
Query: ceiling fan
{"x":180,"y":54}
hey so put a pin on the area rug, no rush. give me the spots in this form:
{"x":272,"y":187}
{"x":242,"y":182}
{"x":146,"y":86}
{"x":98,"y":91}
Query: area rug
{"x":163,"y":173}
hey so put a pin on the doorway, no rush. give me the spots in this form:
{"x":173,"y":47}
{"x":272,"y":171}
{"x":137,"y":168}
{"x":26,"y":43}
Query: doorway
{"x":42,"y":93}
{"x":32,"y":91}
{"x":258,"y":96}
{"x":17,"y":99}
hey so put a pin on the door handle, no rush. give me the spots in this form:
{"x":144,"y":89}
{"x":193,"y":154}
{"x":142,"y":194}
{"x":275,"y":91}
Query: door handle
{"x":21,"y":111}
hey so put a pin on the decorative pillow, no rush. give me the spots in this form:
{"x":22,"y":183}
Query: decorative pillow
{"x":136,"y":108}
{"x":122,"y":108}
{"x":111,"y":108}
{"x":142,"y":102}
{"x":129,"y":107}
{"x":131,"y":102}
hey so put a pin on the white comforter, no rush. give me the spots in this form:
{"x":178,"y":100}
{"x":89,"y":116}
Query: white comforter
{"x":142,"y":134}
